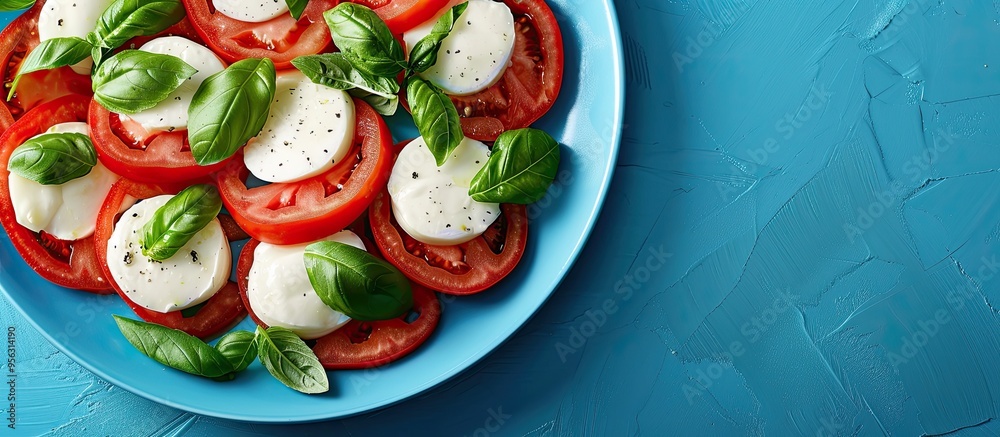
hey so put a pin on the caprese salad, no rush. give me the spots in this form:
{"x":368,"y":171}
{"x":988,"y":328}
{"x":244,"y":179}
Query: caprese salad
{"x":142,"y":138}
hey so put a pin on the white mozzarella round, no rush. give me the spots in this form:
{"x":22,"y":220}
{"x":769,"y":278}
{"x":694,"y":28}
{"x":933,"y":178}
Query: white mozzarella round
{"x":172,"y":112}
{"x":250,"y":11}
{"x":66,"y":18}
{"x":280,"y":293}
{"x":194,"y":274}
{"x":66,"y":211}
{"x":432,"y":203}
{"x":476,"y":52}
{"x":309,"y":130}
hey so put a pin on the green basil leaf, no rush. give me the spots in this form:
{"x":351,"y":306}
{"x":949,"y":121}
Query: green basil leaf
{"x":385,"y":104}
{"x":53,"y":159}
{"x":435,"y":116}
{"x":174,"y":348}
{"x":335,"y":71}
{"x":296,"y":7}
{"x":521,"y":167}
{"x":357,"y":283}
{"x":15,"y":5}
{"x":127,"y":19}
{"x":229,"y":109}
{"x":52,"y":53}
{"x":239,"y":347}
{"x":133,"y":81}
{"x":424,"y":55}
{"x":365,"y":40}
{"x":178,"y":220}
{"x":290,"y":360}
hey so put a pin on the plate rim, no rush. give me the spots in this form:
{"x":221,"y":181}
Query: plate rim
{"x":618,"y":69}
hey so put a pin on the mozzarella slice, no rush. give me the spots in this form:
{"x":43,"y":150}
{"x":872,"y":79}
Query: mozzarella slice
{"x":172,"y":112}
{"x":280,"y":293}
{"x":251,"y":11}
{"x":66,"y":18}
{"x":432,"y":203}
{"x":476,"y":52}
{"x":67,"y":211}
{"x":194,"y":274}
{"x":310,"y":128}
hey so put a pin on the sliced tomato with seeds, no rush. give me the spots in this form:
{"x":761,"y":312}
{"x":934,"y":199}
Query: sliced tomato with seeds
{"x":72,"y":264}
{"x":126,"y":148}
{"x":529,"y":87}
{"x":461,"y":269}
{"x":403,"y":15}
{"x":16,"y":41}
{"x":299,"y":212}
{"x":281,"y":39}
{"x":217,"y":314}
{"x":361,"y":345}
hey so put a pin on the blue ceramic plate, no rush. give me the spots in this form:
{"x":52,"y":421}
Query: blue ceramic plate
{"x":586,"y":119}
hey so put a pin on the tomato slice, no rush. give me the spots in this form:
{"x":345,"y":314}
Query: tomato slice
{"x":72,"y":264}
{"x":403,"y":15}
{"x":127,"y":149}
{"x":219,"y":313}
{"x":16,"y":40}
{"x":360,"y":345}
{"x":281,"y":39}
{"x":529,"y":87}
{"x":461,"y":269}
{"x":299,"y":212}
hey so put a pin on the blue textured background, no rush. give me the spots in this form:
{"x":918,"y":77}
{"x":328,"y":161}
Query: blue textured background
{"x":823,"y":176}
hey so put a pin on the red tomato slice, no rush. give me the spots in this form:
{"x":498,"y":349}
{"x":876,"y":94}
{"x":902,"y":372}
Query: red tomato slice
{"x":360,"y":345}
{"x":19,"y":38}
{"x":403,"y":15}
{"x":129,"y":150}
{"x":531,"y":83}
{"x":299,"y":212}
{"x":72,"y":264}
{"x":281,"y":39}
{"x":219,"y":313}
{"x":462,"y":269}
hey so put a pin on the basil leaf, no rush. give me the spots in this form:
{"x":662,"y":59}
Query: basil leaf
{"x":178,"y":220}
{"x":335,"y":71}
{"x":53,"y":159}
{"x":229,"y":109}
{"x":290,"y":361}
{"x":424,"y":55}
{"x":520,"y":169}
{"x":385,"y":104}
{"x":435,"y":116}
{"x":174,"y":348}
{"x":15,"y":5}
{"x":52,"y":53}
{"x":133,"y":81}
{"x":357,"y":283}
{"x":127,"y":19}
{"x":365,"y":40}
{"x":296,"y":7}
{"x":239,"y":347}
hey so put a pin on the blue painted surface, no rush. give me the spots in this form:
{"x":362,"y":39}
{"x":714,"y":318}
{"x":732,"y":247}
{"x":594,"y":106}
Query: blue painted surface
{"x":824,"y":178}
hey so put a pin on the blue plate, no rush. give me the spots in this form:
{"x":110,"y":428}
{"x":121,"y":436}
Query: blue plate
{"x":586,"y":119}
